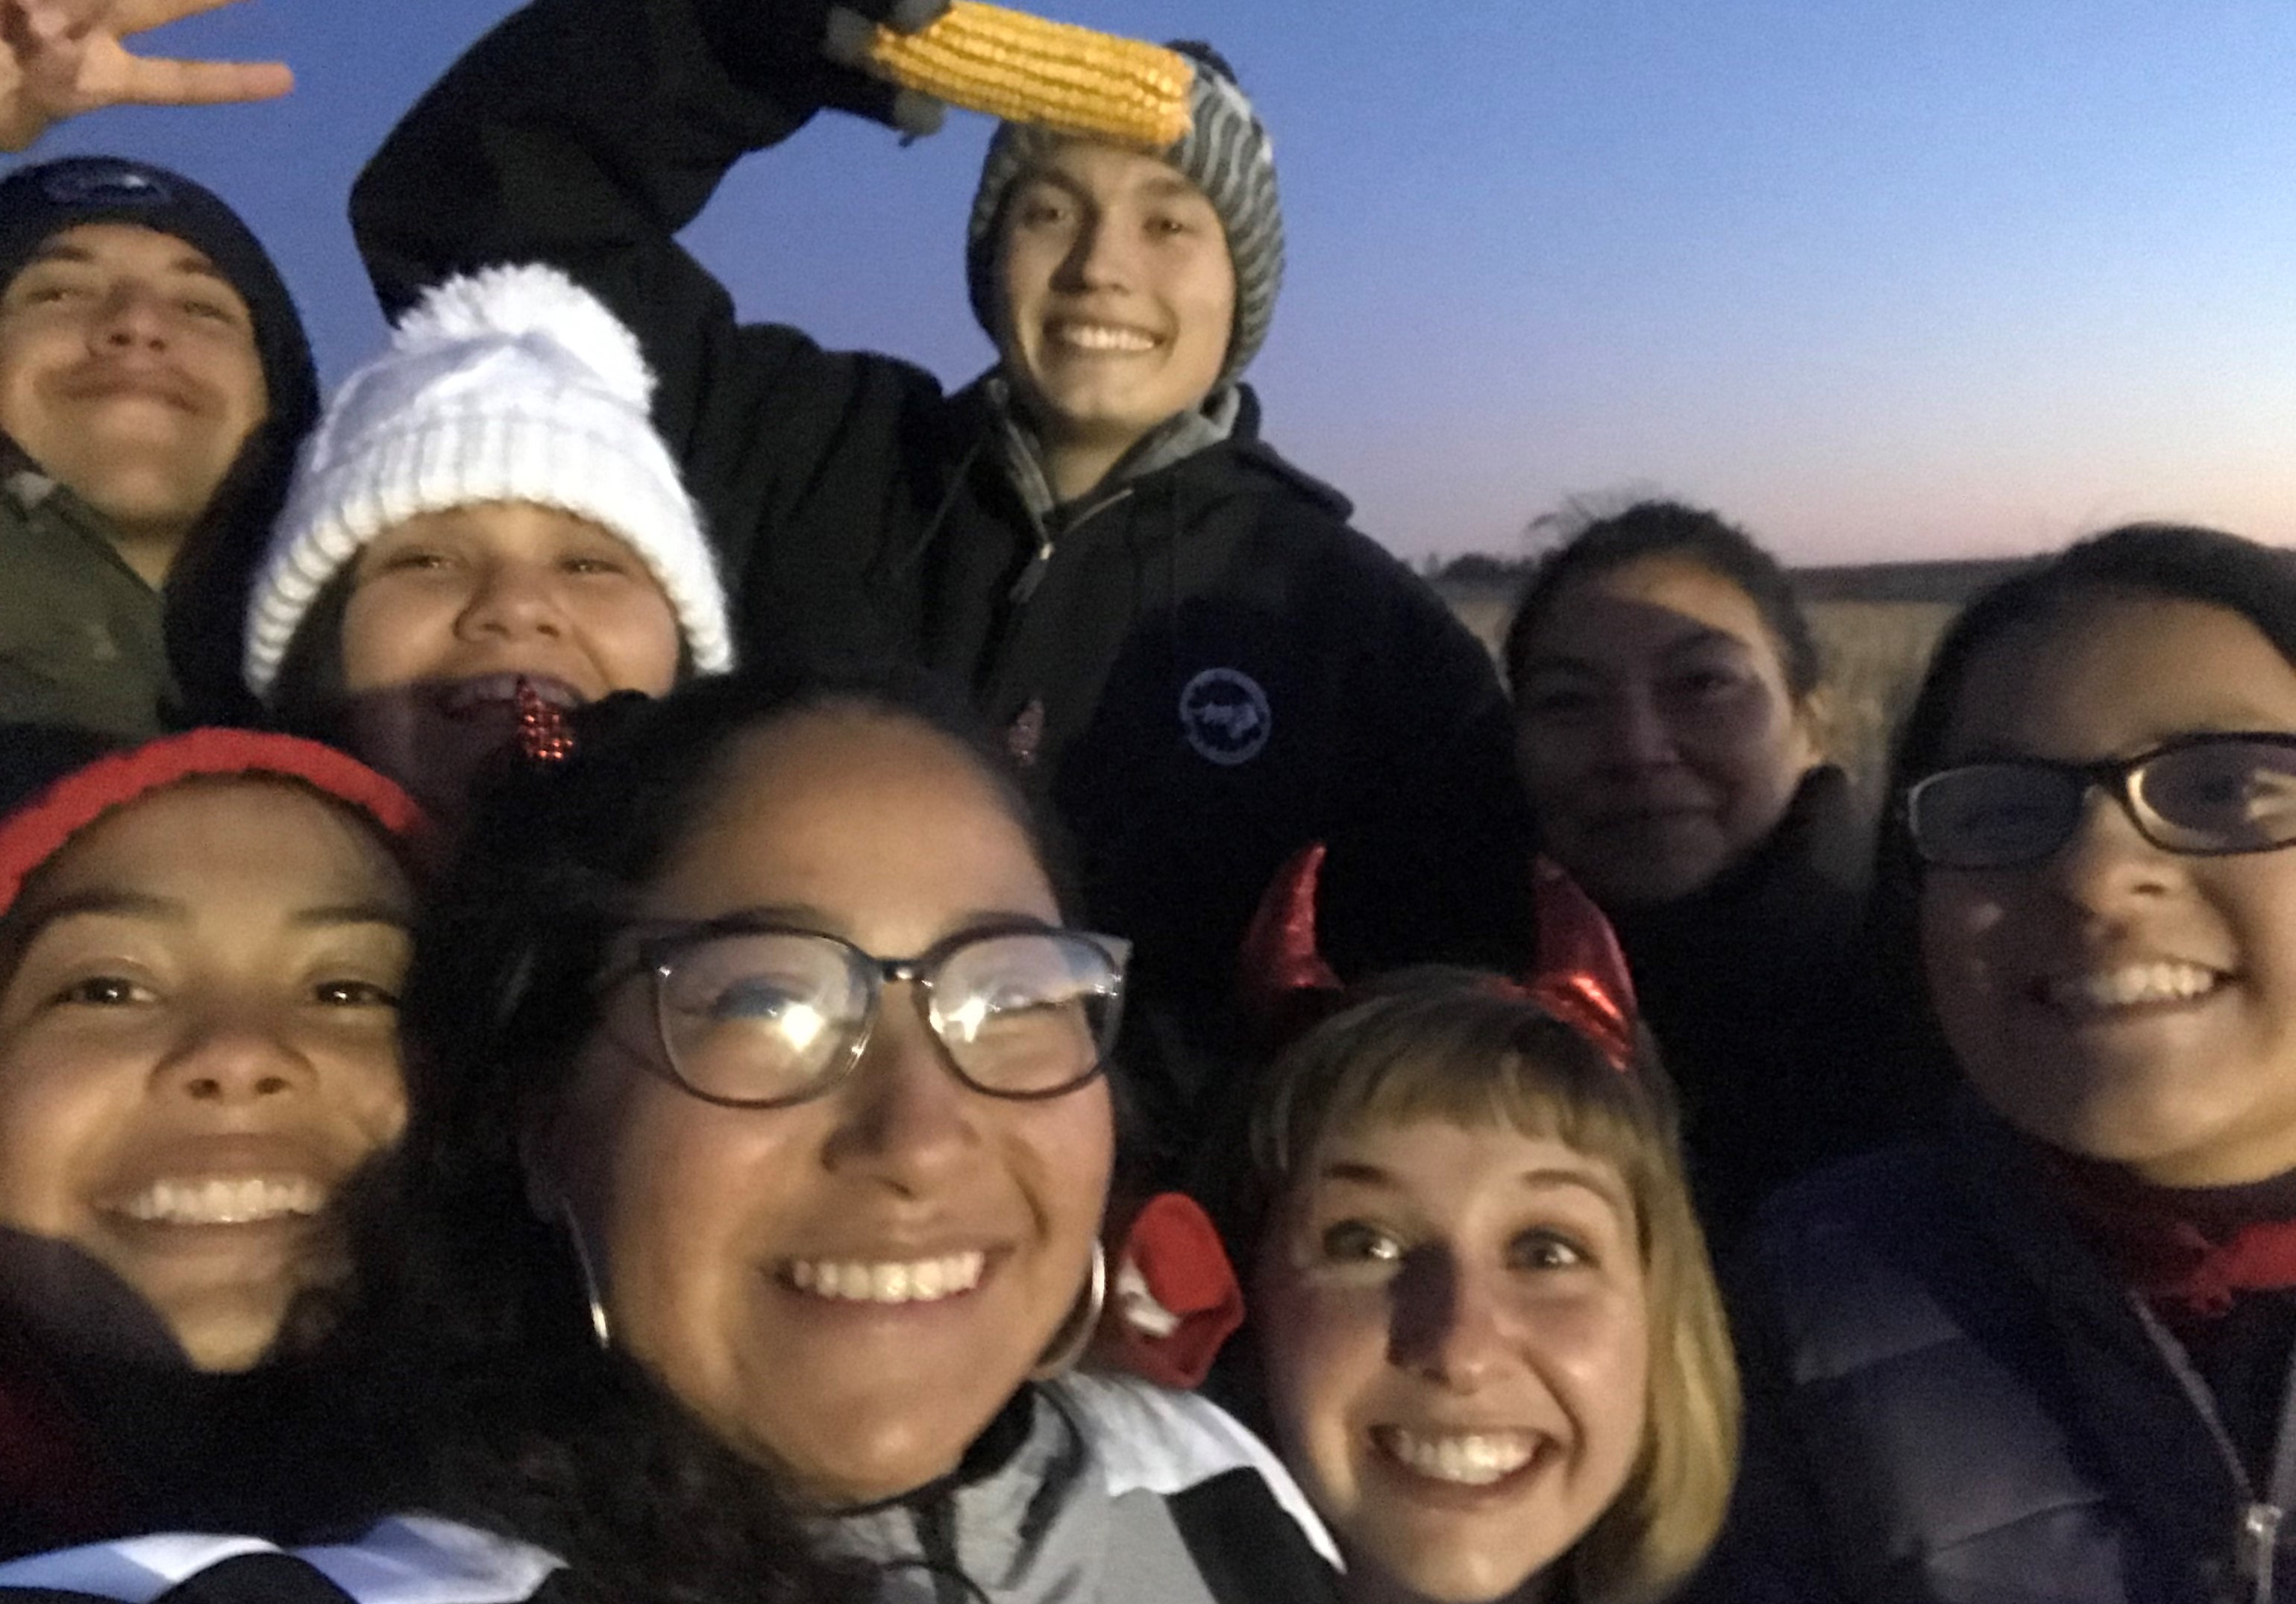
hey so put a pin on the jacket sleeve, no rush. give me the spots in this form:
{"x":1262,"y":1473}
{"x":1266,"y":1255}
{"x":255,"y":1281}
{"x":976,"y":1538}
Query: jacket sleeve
{"x":1429,"y":832}
{"x":587,"y":133}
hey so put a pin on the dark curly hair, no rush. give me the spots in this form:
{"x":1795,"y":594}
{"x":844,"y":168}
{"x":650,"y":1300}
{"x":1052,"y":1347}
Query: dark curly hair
{"x":524,"y":1424}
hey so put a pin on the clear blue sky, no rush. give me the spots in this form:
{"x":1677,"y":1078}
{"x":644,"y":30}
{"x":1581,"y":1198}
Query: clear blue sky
{"x":1879,"y":279}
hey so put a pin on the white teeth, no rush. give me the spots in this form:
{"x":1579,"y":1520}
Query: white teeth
{"x":915,"y":1281}
{"x":222,"y":1202}
{"x":1103,"y":337}
{"x":1474,"y":1458}
{"x":2131,"y":985}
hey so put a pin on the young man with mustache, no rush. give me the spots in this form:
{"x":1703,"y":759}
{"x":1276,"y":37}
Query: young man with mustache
{"x":1204,"y":666}
{"x":154,"y":381}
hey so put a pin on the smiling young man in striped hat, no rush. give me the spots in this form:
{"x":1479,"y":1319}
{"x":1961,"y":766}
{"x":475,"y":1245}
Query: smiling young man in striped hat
{"x":1124,"y":288}
{"x":1203,"y":665}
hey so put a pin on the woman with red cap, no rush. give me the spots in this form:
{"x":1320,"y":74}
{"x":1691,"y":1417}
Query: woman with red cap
{"x":201,"y":944}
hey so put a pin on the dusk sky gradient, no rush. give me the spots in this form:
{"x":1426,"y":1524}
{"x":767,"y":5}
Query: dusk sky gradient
{"x":1877,"y":279}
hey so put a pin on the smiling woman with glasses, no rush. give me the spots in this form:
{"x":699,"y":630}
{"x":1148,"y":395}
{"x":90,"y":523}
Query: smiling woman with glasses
{"x":761,"y":1147}
{"x":2087,"y":1286}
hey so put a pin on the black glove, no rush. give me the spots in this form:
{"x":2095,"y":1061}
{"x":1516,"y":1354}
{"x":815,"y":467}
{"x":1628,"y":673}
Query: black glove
{"x":804,"y":52}
{"x":846,"y":42}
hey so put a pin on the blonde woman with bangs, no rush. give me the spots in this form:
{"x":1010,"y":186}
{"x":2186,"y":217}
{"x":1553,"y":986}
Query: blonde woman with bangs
{"x":1491,"y":1340}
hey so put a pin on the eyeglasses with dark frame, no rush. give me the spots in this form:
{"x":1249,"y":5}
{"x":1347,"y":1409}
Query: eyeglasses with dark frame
{"x":754,"y":1013}
{"x":2215,"y":795}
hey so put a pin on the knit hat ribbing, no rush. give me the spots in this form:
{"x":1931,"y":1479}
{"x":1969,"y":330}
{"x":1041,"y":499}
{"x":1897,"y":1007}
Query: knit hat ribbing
{"x":509,"y":384}
{"x":83,"y":787}
{"x":1227,"y":153}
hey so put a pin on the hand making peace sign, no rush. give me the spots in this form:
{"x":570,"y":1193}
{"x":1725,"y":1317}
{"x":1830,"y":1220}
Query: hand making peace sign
{"x":59,"y":58}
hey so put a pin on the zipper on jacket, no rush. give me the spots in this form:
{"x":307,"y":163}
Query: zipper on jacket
{"x":2259,"y":1530}
{"x":1032,"y":576}
{"x":2256,"y":1544}
{"x":1031,"y":579}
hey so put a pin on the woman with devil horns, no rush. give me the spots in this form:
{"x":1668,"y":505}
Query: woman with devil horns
{"x":1484,"y":1322}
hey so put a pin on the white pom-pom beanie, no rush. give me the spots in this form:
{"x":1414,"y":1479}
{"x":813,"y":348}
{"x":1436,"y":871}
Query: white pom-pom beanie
{"x":511,"y":384}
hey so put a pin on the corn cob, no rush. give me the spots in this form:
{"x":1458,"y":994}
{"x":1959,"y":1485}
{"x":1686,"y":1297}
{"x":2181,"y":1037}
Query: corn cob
{"x":1055,"y":75}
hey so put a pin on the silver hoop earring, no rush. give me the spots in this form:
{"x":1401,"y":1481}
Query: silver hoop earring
{"x":1076,"y":1332}
{"x":601,"y":1327}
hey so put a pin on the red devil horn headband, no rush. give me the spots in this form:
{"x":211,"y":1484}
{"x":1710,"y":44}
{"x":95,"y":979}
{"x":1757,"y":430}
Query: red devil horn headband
{"x":1581,"y":977}
{"x":1284,"y":982}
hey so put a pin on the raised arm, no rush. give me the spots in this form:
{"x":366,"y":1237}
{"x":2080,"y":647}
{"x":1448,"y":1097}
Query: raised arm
{"x":587,"y":133}
{"x":60,"y":58}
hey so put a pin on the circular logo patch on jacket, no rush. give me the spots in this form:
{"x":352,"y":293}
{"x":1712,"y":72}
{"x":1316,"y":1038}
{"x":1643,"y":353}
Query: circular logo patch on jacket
{"x":1225,"y":716}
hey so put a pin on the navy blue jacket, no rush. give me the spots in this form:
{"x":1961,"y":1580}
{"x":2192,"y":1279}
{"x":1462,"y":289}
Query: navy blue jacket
{"x":1949,"y":1400}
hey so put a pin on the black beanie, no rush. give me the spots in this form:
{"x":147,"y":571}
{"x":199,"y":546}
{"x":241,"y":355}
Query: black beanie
{"x":38,"y":202}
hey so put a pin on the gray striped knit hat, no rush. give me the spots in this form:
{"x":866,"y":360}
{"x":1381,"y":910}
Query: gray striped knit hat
{"x":1225,"y":152}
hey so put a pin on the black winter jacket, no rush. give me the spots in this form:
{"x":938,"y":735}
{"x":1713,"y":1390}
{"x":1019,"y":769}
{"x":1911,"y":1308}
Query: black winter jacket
{"x":1761,"y":994}
{"x":1212,"y":667}
{"x":1949,"y":1400}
